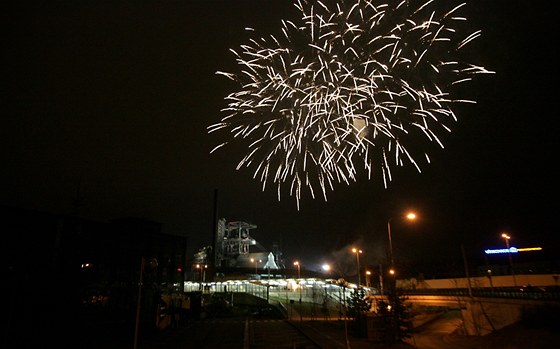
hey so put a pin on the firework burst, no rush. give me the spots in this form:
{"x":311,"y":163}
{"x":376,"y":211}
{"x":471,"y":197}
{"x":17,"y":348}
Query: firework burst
{"x":352,"y":85}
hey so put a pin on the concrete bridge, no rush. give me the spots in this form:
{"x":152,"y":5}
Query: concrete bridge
{"x":483,"y":315}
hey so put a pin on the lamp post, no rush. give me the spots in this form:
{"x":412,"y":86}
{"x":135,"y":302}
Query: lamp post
{"x":138,"y":302}
{"x":256,"y":264}
{"x":152,"y":263}
{"x":381,"y":279}
{"x":357,"y":252}
{"x":202,"y":271}
{"x":506,"y":238}
{"x":368,"y":275}
{"x":489,"y":274}
{"x":297,"y":264}
{"x":410,"y":216}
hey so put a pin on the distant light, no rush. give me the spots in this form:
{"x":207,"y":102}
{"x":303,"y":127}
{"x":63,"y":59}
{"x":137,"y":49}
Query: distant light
{"x":326,"y":267}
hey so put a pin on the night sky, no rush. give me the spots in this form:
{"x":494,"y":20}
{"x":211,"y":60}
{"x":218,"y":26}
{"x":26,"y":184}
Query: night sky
{"x":113,"y":99}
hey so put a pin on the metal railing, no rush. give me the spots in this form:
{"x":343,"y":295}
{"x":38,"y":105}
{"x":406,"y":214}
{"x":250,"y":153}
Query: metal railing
{"x":539,"y":293}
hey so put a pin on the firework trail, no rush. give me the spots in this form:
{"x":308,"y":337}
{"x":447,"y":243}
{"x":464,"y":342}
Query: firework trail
{"x":352,"y":85}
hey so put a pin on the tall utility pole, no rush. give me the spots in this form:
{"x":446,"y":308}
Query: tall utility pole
{"x":297,"y":264}
{"x":391,"y":260}
{"x":212,"y":257}
{"x":465,"y":263}
{"x":507,"y":237}
{"x":357,"y":252}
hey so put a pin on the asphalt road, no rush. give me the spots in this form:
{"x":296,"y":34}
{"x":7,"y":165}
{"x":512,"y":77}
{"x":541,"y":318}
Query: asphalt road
{"x":200,"y":334}
{"x":232,"y":333}
{"x":434,"y":334}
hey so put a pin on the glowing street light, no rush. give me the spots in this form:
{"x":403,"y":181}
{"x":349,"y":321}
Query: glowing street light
{"x":256,"y":264}
{"x":410,"y":216}
{"x":357,"y":252}
{"x":506,"y":238}
{"x":297,"y":264}
{"x":368,"y":275}
{"x":202,"y":270}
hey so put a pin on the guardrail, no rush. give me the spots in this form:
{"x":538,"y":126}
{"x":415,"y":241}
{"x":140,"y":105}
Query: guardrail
{"x":515,"y":293}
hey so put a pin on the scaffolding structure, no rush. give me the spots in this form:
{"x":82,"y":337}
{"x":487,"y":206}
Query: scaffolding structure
{"x":233,"y":240}
{"x":232,"y":247}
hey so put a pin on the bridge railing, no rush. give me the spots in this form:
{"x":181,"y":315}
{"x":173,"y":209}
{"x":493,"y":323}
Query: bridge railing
{"x":502,"y":292}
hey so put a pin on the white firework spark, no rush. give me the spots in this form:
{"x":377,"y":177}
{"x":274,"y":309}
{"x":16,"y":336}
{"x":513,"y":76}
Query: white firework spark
{"x":352,"y":85}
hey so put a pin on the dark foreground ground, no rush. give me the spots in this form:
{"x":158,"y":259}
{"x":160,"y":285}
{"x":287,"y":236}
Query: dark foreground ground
{"x":513,"y":337}
{"x":517,"y":336}
{"x":440,"y":333}
{"x":445,"y":332}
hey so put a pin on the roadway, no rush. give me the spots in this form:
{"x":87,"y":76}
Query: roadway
{"x":439,"y":333}
{"x":258,"y":334}
{"x":434,"y":334}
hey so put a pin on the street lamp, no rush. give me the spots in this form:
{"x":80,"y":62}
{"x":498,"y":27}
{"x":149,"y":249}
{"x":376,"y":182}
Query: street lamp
{"x":489,"y":274}
{"x":202,"y":270}
{"x":381,"y":279}
{"x":152,"y":263}
{"x":256,"y":264}
{"x":506,"y":238}
{"x":357,"y":252}
{"x":410,"y":216}
{"x":297,"y":264}
{"x":368,"y":275}
{"x":204,"y":273}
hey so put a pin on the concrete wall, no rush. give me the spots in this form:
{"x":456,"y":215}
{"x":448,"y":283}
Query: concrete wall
{"x":482,"y":318}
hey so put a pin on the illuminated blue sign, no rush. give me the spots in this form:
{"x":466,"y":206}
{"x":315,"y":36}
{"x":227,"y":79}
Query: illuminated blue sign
{"x":512,"y":250}
{"x":502,"y":250}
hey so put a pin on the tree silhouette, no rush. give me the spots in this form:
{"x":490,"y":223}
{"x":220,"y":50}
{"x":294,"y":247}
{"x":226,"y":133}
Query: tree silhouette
{"x":396,"y":316}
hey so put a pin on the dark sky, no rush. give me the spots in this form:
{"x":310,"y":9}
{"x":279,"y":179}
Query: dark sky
{"x":114,"y":98}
